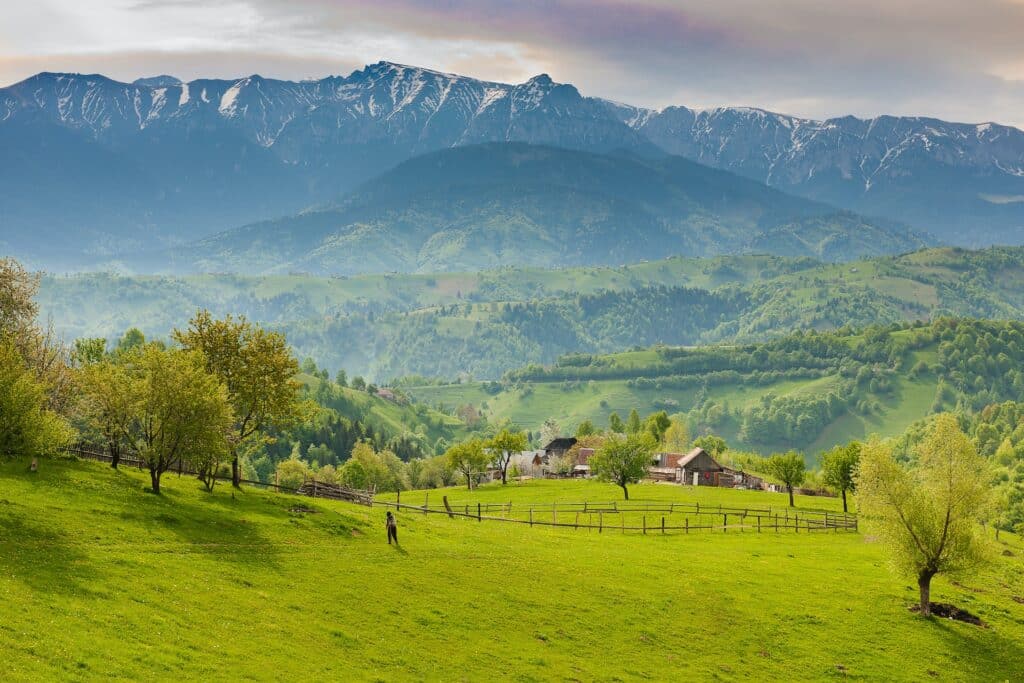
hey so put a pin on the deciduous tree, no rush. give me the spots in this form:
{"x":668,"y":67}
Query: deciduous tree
{"x":468,"y":459}
{"x":790,"y":469}
{"x":107,"y":391}
{"x":624,"y":460}
{"x":838,"y":467}
{"x":27,"y":426}
{"x":256,"y":367}
{"x":180,"y":411}
{"x":503,"y":446}
{"x":677,"y":437}
{"x":929,"y":514}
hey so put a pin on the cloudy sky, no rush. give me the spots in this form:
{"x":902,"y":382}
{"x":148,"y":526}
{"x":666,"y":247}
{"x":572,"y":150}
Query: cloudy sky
{"x":955,"y":59}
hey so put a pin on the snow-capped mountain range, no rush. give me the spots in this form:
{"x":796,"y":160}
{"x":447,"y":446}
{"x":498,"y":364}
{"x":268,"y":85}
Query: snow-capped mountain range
{"x":126,"y":163}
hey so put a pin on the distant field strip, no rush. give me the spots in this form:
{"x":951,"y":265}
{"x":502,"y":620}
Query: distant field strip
{"x":641,"y":517}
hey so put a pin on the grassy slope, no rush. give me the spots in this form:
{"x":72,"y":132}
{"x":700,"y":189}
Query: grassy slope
{"x":101,"y":580}
{"x":910,"y":401}
{"x":392,"y":416}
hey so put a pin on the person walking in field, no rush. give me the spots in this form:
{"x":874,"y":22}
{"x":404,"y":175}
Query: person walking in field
{"x":392,"y":525}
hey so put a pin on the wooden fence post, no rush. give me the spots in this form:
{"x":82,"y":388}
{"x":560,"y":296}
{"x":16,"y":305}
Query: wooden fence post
{"x":451,"y":515}
{"x":600,"y":522}
{"x":725,"y":522}
{"x":645,"y":525}
{"x":398,"y":498}
{"x":577,"y":520}
{"x":759,"y":524}
{"x":662,"y":526}
{"x":478,"y":517}
{"x":796,"y":523}
{"x":426,"y":503}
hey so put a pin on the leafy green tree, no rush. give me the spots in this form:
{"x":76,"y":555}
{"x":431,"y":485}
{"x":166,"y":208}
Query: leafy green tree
{"x":371,"y":469}
{"x":624,"y":460}
{"x":341,"y":379}
{"x":503,"y":446}
{"x":27,"y":426}
{"x":677,"y":437}
{"x":468,"y":459}
{"x":180,"y":412}
{"x":790,"y":469}
{"x":714,"y":445}
{"x":615,"y":423}
{"x":291,"y":473}
{"x":258,"y":370}
{"x":130,"y":340}
{"x":585,"y":428}
{"x":929,"y":515}
{"x":107,"y":392}
{"x":838,"y":467}
{"x":358,"y":383}
{"x":657,"y":424}
{"x":633,"y":424}
{"x":90,"y":350}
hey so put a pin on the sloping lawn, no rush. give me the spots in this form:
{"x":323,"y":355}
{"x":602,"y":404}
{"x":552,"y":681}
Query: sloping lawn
{"x":100,"y":579}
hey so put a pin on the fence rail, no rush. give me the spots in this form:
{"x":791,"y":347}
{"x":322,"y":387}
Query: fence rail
{"x":644,"y":517}
{"x":674,"y":518}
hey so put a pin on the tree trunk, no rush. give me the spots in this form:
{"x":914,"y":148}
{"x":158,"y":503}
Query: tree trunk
{"x":625,"y":491}
{"x":469,"y":482}
{"x":154,"y":476}
{"x":790,"y":489}
{"x":504,"y":474}
{"x":115,"y":454}
{"x":236,"y":475}
{"x":924,"y":585}
{"x":844,"y":500}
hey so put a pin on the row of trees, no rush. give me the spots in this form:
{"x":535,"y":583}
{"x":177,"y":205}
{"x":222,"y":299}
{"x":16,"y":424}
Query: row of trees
{"x":219,"y":389}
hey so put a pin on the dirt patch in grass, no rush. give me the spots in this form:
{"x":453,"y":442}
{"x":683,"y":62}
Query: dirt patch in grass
{"x":300,"y":510}
{"x":1019,"y":599}
{"x":946,"y":611}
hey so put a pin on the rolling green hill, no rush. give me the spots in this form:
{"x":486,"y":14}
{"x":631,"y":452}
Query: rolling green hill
{"x":484,"y":324}
{"x":101,"y":580}
{"x":807,"y":391}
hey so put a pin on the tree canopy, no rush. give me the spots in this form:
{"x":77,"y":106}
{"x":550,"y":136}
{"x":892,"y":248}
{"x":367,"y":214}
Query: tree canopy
{"x":929,"y":514}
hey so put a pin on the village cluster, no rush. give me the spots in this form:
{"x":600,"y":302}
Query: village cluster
{"x":695,"y":468}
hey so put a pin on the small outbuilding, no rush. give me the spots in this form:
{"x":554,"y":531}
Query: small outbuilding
{"x":698,"y":468}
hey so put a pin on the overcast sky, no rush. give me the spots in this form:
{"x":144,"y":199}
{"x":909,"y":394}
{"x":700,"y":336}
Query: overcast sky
{"x":954,"y":59}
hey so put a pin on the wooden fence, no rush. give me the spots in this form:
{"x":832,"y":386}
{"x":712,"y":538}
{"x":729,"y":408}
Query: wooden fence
{"x":617,"y":516}
{"x":642,"y":517}
{"x":310,"y":487}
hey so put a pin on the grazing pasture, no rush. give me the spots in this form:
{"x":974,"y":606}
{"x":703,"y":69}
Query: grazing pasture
{"x":101,"y":579}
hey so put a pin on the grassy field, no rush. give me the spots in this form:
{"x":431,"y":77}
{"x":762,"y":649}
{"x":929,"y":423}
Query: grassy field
{"x":101,"y":580}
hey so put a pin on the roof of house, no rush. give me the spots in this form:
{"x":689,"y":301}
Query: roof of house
{"x":691,"y":456}
{"x":584,"y":456}
{"x":563,"y":443}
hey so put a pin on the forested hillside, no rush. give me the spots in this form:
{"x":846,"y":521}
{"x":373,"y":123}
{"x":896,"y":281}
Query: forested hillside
{"x":484,"y":324}
{"x":806,"y":391}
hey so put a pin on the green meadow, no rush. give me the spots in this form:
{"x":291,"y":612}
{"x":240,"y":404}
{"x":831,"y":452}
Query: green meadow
{"x":100,"y":579}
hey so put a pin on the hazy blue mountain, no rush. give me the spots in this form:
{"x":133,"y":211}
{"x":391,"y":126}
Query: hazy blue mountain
{"x":483,"y":206}
{"x":96,"y":167}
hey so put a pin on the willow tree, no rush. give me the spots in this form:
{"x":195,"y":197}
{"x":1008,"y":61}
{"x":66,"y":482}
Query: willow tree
{"x":928,"y":515}
{"x":258,"y":370}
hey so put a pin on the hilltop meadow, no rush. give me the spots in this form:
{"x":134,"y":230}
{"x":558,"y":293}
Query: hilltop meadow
{"x":101,"y":579}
